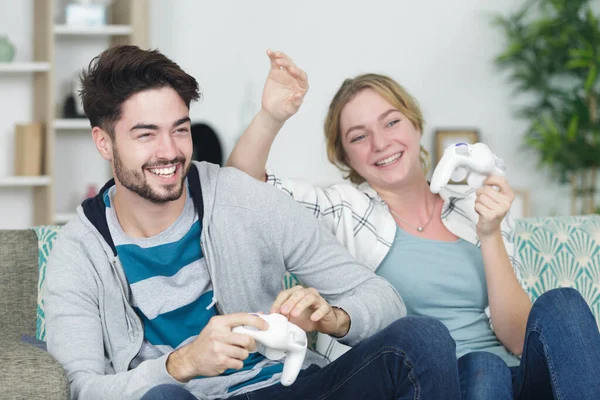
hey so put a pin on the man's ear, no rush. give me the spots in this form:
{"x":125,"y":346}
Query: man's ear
{"x":103,"y":143}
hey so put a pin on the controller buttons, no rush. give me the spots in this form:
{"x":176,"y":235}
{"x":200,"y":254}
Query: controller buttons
{"x":463,"y":149}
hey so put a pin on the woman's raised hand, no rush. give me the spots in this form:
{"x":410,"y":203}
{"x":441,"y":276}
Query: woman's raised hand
{"x":285,"y":87}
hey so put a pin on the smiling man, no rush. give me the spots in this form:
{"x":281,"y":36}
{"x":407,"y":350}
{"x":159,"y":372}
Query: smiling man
{"x":144,"y":286}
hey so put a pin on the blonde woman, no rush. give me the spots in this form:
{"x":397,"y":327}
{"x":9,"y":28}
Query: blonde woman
{"x":449,"y":256}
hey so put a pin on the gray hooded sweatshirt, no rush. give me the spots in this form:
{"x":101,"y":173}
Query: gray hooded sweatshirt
{"x":251,"y":235}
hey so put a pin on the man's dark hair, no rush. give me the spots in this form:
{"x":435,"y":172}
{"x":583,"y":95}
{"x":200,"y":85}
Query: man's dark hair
{"x":122,"y":71}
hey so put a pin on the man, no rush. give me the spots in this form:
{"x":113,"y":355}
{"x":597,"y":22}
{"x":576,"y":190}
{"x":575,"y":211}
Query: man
{"x":144,"y":287}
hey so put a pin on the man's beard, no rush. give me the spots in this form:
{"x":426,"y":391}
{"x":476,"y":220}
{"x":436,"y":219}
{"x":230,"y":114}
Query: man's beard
{"x":136,"y":180}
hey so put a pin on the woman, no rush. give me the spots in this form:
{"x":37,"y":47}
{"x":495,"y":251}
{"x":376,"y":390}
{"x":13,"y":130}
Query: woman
{"x":450,"y":256}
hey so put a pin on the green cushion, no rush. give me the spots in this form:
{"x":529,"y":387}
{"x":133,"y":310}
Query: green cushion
{"x":561,"y":252}
{"x":46,"y":237}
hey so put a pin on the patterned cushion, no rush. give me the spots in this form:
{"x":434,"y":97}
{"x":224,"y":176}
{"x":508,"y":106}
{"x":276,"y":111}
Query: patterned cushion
{"x":46,"y":237}
{"x":561,"y":252}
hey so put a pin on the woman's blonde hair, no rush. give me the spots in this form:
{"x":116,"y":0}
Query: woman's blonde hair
{"x":387,"y":88}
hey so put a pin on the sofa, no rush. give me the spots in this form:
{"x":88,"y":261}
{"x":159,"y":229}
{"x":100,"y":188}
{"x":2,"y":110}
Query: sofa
{"x":26,"y":371}
{"x":555,"y":252}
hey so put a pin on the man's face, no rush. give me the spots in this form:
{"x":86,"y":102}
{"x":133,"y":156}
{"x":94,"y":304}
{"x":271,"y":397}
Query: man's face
{"x":152,"y":146}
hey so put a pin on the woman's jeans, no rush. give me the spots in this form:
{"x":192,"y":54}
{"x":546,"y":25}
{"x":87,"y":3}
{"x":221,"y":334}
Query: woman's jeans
{"x":561,"y":356}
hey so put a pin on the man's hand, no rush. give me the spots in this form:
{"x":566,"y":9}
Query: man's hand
{"x":216,"y":348}
{"x":492,"y":205}
{"x":285,"y":87}
{"x":306,"y":308}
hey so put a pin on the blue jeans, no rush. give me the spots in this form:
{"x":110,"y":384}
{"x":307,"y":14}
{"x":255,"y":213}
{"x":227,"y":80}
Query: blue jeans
{"x":561,"y":356}
{"x":168,"y":392}
{"x":413,"y":358}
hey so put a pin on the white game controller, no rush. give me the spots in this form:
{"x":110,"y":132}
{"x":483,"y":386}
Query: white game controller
{"x":282,"y":339}
{"x":472,"y":161}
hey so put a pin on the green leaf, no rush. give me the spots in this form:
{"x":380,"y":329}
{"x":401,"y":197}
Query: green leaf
{"x":550,"y":124}
{"x":591,"y":78}
{"x":513,"y":49}
{"x":591,"y":18}
{"x":573,"y":125}
{"x":578,"y":63}
{"x":582,"y":53}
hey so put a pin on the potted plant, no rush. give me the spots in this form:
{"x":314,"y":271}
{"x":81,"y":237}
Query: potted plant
{"x":553,"y":55}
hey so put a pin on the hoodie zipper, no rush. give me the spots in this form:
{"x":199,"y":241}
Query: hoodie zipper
{"x":126,"y":305}
{"x":127,"y":319}
{"x":211,"y":277}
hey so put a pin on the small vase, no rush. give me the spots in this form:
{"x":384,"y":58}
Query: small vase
{"x":7,"y":50}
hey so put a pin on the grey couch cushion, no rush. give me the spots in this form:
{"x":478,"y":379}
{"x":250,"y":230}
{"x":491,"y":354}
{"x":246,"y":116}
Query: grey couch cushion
{"x":18,"y":283}
{"x":27,"y":372}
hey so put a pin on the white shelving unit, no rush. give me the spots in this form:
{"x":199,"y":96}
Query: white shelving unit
{"x":106,"y":30}
{"x":31,"y":89}
{"x":24,"y":181}
{"x":58,"y":53}
{"x":24,"y":67}
{"x":72,"y":124}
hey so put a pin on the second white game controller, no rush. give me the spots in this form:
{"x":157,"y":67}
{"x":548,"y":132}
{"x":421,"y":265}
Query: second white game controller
{"x":282,"y":339}
{"x":461,"y":160}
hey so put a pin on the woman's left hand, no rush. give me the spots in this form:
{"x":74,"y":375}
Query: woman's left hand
{"x":492,"y":205}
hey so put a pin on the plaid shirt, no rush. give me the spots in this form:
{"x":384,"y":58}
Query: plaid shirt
{"x":361,"y":220}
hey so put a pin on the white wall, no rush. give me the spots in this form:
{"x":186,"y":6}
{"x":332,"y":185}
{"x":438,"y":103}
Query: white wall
{"x":441,"y":51}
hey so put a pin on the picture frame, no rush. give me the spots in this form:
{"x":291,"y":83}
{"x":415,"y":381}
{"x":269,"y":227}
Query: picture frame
{"x":521,"y":206}
{"x":446,"y":137}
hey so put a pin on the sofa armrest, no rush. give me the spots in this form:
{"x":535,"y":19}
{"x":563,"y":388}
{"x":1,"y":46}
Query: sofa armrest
{"x":26,"y":372}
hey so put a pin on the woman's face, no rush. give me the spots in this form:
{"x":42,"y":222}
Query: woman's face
{"x":381,"y":144}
